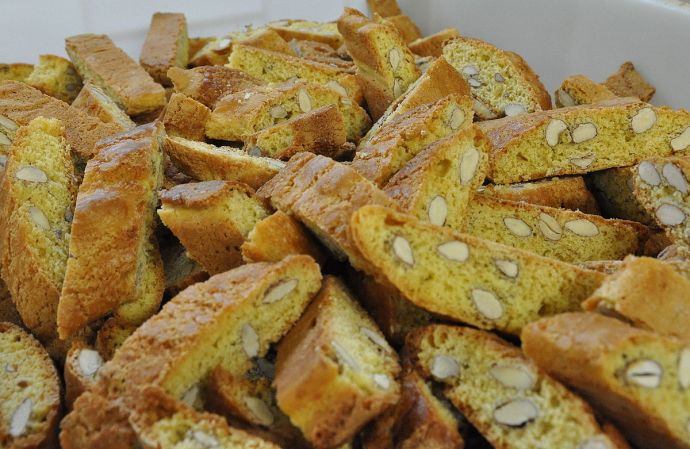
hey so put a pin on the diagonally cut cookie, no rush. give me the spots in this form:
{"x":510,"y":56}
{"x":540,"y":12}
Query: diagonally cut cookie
{"x":432,"y":45}
{"x":166,"y":46}
{"x":55,"y":76}
{"x":185,"y":117}
{"x":324,"y":32}
{"x":208,"y":84}
{"x":578,"y":89}
{"x":628,"y":82}
{"x":93,"y":101}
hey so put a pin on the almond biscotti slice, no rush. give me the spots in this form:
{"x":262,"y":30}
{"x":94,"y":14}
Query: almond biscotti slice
{"x":578,"y":89}
{"x":638,"y":379}
{"x":583,"y":139}
{"x":30,"y":405}
{"x":615,"y":193}
{"x":185,"y":117}
{"x":323,"y":53}
{"x":15,"y":72}
{"x":432,"y":45}
{"x":37,"y":199}
{"x":21,"y":103}
{"x":212,"y":219}
{"x":208,"y":84}
{"x":385,"y":66}
{"x":55,"y":76}
{"x":81,"y":366}
{"x":217,"y":51}
{"x":502,"y":82}
{"x":206,"y":162}
{"x":438,"y":184}
{"x":323,"y":194}
{"x":320,"y":131}
{"x":568,"y":192}
{"x":349,"y":377}
{"x":511,"y":401}
{"x":98,"y":60}
{"x":408,"y":30}
{"x":399,"y":140}
{"x":324,"y":32}
{"x":112,"y":231}
{"x":465,"y":278}
{"x":93,"y":101}
{"x":628,"y":82}
{"x":255,"y":61}
{"x":384,"y":8}
{"x":661,"y":187}
{"x":193,"y":333}
{"x":277,"y":236}
{"x":648,"y":293}
{"x":166,"y":46}
{"x":570,"y":236}
{"x":239,"y":115}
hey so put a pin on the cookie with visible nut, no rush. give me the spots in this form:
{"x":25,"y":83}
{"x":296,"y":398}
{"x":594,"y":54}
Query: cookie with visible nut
{"x":511,"y":401}
{"x":578,"y":89}
{"x":166,"y":46}
{"x":638,"y":379}
{"x":81,"y":367}
{"x":208,"y":84}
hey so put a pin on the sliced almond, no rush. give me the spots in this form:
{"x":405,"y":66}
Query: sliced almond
{"x":89,"y":361}
{"x":468,"y":165}
{"x":517,"y":227}
{"x":516,"y":413}
{"x":395,"y":58}
{"x":336,"y":86}
{"x":584,"y":132}
{"x":670,"y":215}
{"x":553,"y":131}
{"x":4,"y":140}
{"x":403,"y":250}
{"x":454,"y":250}
{"x":549,"y":227}
{"x":647,"y":172}
{"x":397,"y":87}
{"x":39,"y":218}
{"x":643,"y":120}
{"x":457,"y":117}
{"x":682,"y":142}
{"x":644,"y":373}
{"x":675,"y":177}
{"x":343,"y":356}
{"x":499,"y":78}
{"x":473,"y":82}
{"x":374,"y":337}
{"x":583,"y":161}
{"x":513,"y":376}
{"x":255,"y":151}
{"x":260,"y":410}
{"x":206,"y":440}
{"x":597,"y":442}
{"x":250,"y":340}
{"x":684,"y":368}
{"x":487,"y":304}
{"x":482,"y":110}
{"x":222,"y":44}
{"x":514,"y":109}
{"x":382,"y":380}
{"x":304,"y":100}
{"x":31,"y":174}
{"x":20,"y":418}
{"x":565,"y":99}
{"x":508,"y":267}
{"x":279,"y":290}
{"x":444,"y":367}
{"x":8,"y":124}
{"x":582,"y":227}
{"x":278,"y":112}
{"x":438,"y":210}
{"x":192,"y":397}
{"x":470,"y":71}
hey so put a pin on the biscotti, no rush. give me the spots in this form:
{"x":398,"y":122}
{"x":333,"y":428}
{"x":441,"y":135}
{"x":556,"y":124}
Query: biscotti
{"x":55,"y":76}
{"x":216,"y":51}
{"x":408,"y":30}
{"x":212,"y":219}
{"x":493,"y":287}
{"x":38,"y":192}
{"x":634,"y":377}
{"x":628,"y":82}
{"x":432,"y":45}
{"x":112,"y":230}
{"x":197,"y":43}
{"x":403,"y":137}
{"x":166,"y":46}
{"x":323,"y":53}
{"x":583,"y":139}
{"x":350,"y":377}
{"x":578,"y":89}
{"x":81,"y":366}
{"x":570,"y":236}
{"x":30,"y":407}
{"x":15,"y":72}
{"x":278,"y":236}
{"x":615,"y":193}
{"x":98,"y":60}
{"x":206,"y":162}
{"x":384,"y":8}
{"x":254,"y":62}
{"x":185,"y":117}
{"x":661,"y":187}
{"x":167,"y":352}
{"x":320,"y":131}
{"x":512,"y":402}
{"x":385,"y":66}
{"x":93,"y":101}
{"x":21,"y":103}
{"x":568,"y":192}
{"x":647,"y":292}
{"x":323,"y":194}
{"x":239,"y":115}
{"x":502,"y":82}
{"x":208,"y":84}
{"x":324,"y":32}
{"x":438,"y":184}
{"x":111,"y":336}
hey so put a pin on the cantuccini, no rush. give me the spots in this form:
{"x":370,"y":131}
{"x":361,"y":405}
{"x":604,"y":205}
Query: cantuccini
{"x":93,"y":101}
{"x":216,"y":51}
{"x":384,"y":8}
{"x":408,"y":30}
{"x":628,"y":82}
{"x":323,"y":53}
{"x":81,"y":366}
{"x":578,"y":89}
{"x":208,"y":84}
{"x":185,"y":117}
{"x":166,"y":46}
{"x":432,"y":45}
{"x":324,"y":32}
{"x":55,"y":76}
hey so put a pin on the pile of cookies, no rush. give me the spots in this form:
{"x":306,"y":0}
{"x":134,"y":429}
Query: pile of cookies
{"x":338,"y":235}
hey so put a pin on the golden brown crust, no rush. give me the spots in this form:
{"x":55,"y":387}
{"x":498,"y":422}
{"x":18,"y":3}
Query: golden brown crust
{"x":313,"y":31}
{"x":432,"y":45}
{"x":628,"y":82}
{"x":322,"y":53}
{"x":406,"y":27}
{"x":208,"y":84}
{"x":185,"y":117}
{"x":201,"y":194}
{"x":384,"y":8}
{"x":22,"y":103}
{"x":542,"y":95}
{"x":578,"y":89}
{"x":165,"y":46}
{"x":98,"y":60}
{"x":93,"y":101}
